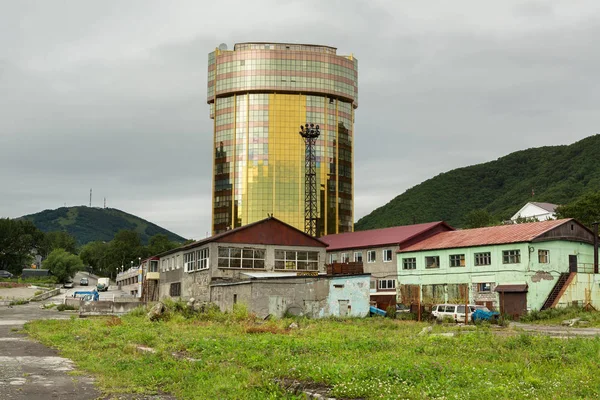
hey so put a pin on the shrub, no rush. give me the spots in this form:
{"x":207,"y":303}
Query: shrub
{"x":390,"y":312}
{"x":407,"y":317}
{"x":552,"y":313}
{"x":38,"y":292}
{"x":64,"y":307}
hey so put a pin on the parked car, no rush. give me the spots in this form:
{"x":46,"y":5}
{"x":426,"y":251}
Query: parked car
{"x":401,"y":308}
{"x":5,"y":274}
{"x":68,"y":285}
{"x":83,"y":282}
{"x":482,"y":313}
{"x":456,"y":312}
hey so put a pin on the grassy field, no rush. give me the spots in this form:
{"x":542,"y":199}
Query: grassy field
{"x":233,"y":356}
{"x":555,"y":316}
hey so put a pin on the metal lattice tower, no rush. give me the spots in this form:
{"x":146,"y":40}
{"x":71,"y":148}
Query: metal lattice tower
{"x":310,"y":133}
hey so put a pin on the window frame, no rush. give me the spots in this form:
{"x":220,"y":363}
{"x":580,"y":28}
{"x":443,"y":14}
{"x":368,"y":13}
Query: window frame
{"x":461,"y":260}
{"x":511,"y":256}
{"x":332,"y":258}
{"x":204,"y":262}
{"x":189,"y":261}
{"x":430,"y":265}
{"x":360,"y":256}
{"x":386,"y":286}
{"x":344,"y":258}
{"x":385,"y":252}
{"x":481,"y":287}
{"x":242,"y":258}
{"x":175,"y":289}
{"x":371,"y":256}
{"x":308,"y":259}
{"x":409,"y":263}
{"x":545,"y":254}
{"x":483,"y":256}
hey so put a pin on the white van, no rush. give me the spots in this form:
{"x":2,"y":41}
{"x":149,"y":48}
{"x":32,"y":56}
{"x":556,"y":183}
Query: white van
{"x":456,"y":312}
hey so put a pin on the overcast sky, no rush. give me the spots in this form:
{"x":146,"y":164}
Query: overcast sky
{"x":111,"y":95}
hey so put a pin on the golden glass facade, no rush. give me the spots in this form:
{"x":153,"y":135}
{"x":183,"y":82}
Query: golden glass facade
{"x":259,"y":95}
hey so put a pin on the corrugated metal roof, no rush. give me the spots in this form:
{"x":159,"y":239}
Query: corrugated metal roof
{"x":376,"y":237}
{"x":514,"y":233}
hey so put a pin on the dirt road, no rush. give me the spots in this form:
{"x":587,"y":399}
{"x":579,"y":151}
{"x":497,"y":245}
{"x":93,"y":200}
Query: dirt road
{"x":29,"y":370}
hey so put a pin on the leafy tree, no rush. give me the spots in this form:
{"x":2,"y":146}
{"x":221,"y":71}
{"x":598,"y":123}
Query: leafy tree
{"x":97,"y":256}
{"x":58,"y":240}
{"x":160,"y":243}
{"x":478,"y":219}
{"x":585,"y":209}
{"x":62,"y":264}
{"x":18,"y":240}
{"x":124,"y":248}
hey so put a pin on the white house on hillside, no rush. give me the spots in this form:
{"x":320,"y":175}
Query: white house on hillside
{"x":539,"y":211}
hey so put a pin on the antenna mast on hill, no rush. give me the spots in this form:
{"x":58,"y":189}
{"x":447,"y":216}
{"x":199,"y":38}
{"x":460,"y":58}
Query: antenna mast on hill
{"x":105,"y":202}
{"x":90,"y":197}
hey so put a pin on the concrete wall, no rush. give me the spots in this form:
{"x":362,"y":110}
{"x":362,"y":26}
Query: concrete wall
{"x":349,"y":292}
{"x":315,"y":297}
{"x":46,"y":295}
{"x":540,"y":277}
{"x":106,"y":307}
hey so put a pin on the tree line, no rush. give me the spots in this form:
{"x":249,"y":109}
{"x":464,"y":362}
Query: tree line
{"x":21,"y":242}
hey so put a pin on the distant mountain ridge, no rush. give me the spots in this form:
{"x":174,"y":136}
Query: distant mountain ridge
{"x":553,"y":174}
{"x":88,"y":224}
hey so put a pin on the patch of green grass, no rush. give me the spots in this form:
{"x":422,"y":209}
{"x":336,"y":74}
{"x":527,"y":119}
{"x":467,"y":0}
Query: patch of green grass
{"x":236,"y":356}
{"x":18,"y":302}
{"x":554,"y":316}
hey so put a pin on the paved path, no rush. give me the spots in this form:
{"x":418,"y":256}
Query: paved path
{"x":29,"y":370}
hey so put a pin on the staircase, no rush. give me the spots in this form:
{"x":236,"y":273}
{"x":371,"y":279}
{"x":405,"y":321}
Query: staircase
{"x":559,"y":288}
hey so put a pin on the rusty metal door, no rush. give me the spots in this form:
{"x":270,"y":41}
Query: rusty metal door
{"x":513,"y":304}
{"x":572,"y":263}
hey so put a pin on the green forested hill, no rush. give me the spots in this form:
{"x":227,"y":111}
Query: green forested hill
{"x":89,"y":224}
{"x":557,"y":174}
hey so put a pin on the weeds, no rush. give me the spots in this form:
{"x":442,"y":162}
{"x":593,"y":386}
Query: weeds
{"x":65,"y":307}
{"x":557,"y":315}
{"x":18,"y":302}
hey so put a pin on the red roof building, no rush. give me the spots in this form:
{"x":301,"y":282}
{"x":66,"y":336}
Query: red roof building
{"x":376,"y":249}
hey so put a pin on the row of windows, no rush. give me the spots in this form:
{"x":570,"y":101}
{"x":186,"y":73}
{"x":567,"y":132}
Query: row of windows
{"x":386,"y":256}
{"x":196,"y":260}
{"x":269,"y":65}
{"x":387,"y":284}
{"x":479,"y":259}
{"x":455,"y":260}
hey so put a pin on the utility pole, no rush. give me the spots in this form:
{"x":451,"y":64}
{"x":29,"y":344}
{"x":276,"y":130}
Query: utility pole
{"x":310,"y":133}
{"x":90,"y":197}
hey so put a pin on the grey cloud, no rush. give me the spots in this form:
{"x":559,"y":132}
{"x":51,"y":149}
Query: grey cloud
{"x":112,"y":95}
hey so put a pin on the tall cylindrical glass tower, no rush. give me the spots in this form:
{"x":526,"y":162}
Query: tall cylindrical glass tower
{"x":259,"y":95}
